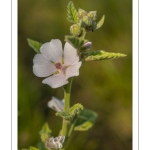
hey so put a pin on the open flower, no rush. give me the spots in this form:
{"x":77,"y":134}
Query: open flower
{"x":55,"y":63}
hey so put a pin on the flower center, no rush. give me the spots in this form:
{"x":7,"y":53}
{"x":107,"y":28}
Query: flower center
{"x":58,"y":65}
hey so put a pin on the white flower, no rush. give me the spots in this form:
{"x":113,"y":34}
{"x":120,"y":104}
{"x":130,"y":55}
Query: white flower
{"x":55,"y":63}
{"x":56,"y":104}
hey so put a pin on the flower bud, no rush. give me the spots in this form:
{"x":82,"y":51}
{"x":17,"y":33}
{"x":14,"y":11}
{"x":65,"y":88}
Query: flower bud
{"x":86,"y":46}
{"x":81,"y":13}
{"x":87,"y":20}
{"x":75,"y":30}
{"x":92,"y":15}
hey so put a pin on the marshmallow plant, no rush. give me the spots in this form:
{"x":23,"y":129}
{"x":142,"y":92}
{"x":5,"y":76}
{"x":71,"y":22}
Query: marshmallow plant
{"x":59,"y":66}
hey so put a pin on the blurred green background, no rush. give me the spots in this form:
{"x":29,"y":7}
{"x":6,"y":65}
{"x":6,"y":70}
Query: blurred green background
{"x":104,"y":86}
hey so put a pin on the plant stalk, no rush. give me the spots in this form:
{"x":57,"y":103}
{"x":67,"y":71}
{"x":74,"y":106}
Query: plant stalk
{"x":67,"y":92}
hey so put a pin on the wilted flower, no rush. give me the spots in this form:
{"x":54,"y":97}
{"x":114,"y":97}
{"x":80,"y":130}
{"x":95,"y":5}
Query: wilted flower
{"x":55,"y":63}
{"x":55,"y":143}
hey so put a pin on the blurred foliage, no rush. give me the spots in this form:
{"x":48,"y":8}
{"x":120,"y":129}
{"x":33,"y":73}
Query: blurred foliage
{"x":104,"y":86}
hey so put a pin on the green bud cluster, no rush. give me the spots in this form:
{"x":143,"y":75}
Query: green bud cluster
{"x":82,"y":20}
{"x":87,"y":20}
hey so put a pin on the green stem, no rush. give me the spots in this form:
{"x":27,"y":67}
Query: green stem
{"x":72,"y":127}
{"x":67,"y":92}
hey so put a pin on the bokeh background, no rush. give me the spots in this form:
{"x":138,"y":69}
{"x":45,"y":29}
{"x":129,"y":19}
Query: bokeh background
{"x":104,"y":86}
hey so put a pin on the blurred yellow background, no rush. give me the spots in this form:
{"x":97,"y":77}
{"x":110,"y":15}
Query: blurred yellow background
{"x":103,"y":86}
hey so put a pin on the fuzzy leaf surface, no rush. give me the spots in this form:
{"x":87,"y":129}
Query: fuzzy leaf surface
{"x":31,"y":148}
{"x":45,"y":132}
{"x":72,"y":15}
{"x":35,"y":45}
{"x":102,"y":55}
{"x":101,"y":22}
{"x":85,"y":120}
{"x":74,"y":111}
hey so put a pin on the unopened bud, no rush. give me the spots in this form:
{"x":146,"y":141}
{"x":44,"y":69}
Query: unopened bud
{"x":87,"y":20}
{"x":86,"y":46}
{"x":81,"y":13}
{"x":92,"y":15}
{"x":75,"y":30}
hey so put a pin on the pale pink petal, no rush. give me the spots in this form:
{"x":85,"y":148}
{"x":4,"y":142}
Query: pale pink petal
{"x":56,"y":80}
{"x":40,"y":59}
{"x":42,"y":66}
{"x":52,"y":50}
{"x":70,"y":54}
{"x":73,"y":70}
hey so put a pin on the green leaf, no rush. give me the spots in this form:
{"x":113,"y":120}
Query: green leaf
{"x":74,"y":111}
{"x":41,"y":145}
{"x":64,"y":115}
{"x":100,"y":23}
{"x":35,"y":45}
{"x":33,"y":148}
{"x":102,"y":55}
{"x":72,"y":15}
{"x":85,"y":120}
{"x":75,"y":41}
{"x":45,"y":132}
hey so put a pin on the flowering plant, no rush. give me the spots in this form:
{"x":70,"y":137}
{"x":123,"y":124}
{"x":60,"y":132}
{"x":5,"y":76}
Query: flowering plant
{"x":59,"y":66}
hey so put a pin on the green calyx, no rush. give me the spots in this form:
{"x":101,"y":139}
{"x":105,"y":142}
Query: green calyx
{"x":75,"y":30}
{"x":92,"y":15}
{"x":87,"y":20}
